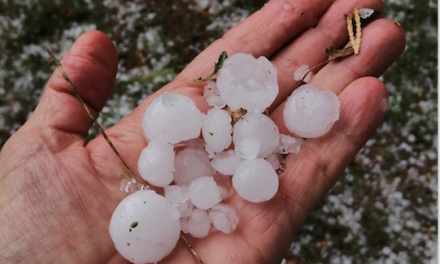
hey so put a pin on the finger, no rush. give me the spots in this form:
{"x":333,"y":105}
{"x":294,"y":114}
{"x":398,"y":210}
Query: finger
{"x":91,"y":64}
{"x":261,"y":34}
{"x":309,"y":48}
{"x":314,"y":170}
{"x":383,"y":42}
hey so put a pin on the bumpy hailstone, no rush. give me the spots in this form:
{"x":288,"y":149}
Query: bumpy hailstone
{"x":176,"y":194}
{"x":199,"y":224}
{"x":145,"y":227}
{"x":310,"y":111}
{"x":217,"y":129}
{"x":172,"y":118}
{"x":255,"y":180}
{"x":248,"y":83}
{"x":190,"y":164}
{"x":204,"y":192}
{"x":226,"y":162}
{"x":301,"y":71}
{"x":156,"y":164}
{"x":212,"y":95}
{"x":224,"y":218}
{"x":260,"y":127}
{"x":289,"y":144}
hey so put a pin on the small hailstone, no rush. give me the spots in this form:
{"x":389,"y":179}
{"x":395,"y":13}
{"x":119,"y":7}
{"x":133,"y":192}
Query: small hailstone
{"x":210,"y":152}
{"x":176,"y":194}
{"x":248,"y":147}
{"x":199,"y":224}
{"x":185,"y":209}
{"x":299,"y":73}
{"x":224,"y":218}
{"x":260,"y":127}
{"x":190,"y":164}
{"x":139,"y":237}
{"x":156,"y":164}
{"x":217,"y":129}
{"x":289,"y":144}
{"x":248,"y":83}
{"x":310,"y":111}
{"x":226,"y":162}
{"x":365,"y":13}
{"x":204,"y":192}
{"x":172,"y":118}
{"x":212,"y":95}
{"x":255,"y":180}
{"x":131,"y":186}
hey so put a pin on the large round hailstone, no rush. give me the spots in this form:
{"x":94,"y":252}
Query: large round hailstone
{"x":172,"y":118}
{"x":156,"y":164}
{"x":204,"y":192}
{"x":310,"y":111}
{"x":226,"y":162}
{"x":217,"y":129}
{"x":254,"y":126}
{"x":255,"y":180}
{"x":145,"y":227}
{"x":248,"y":83}
{"x":190,"y":164}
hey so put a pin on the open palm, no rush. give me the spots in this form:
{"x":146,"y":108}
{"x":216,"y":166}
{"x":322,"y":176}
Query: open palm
{"x":58,"y":193}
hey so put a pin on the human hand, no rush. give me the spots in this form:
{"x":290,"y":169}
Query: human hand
{"x":58,"y":194}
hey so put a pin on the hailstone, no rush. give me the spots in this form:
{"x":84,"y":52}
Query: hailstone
{"x":171,"y":118}
{"x":156,"y":164}
{"x":217,"y":129}
{"x":259,"y":127}
{"x":310,"y":111}
{"x":249,"y":83}
{"x":190,"y":164}
{"x":145,"y":227}
{"x":204,"y":192}
{"x":255,"y":180}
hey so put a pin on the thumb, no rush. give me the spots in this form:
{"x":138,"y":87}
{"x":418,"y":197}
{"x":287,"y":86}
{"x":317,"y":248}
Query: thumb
{"x":91,"y":65}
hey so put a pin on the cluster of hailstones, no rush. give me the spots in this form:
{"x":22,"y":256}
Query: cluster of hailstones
{"x":146,"y":226}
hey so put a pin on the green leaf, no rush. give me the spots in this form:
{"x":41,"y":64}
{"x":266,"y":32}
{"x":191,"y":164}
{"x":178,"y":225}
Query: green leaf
{"x":134,"y":224}
{"x":221,"y":60}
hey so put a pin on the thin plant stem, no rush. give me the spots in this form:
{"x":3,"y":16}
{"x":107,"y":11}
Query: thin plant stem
{"x":191,"y":248}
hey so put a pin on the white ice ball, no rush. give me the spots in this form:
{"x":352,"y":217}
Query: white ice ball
{"x":226,"y":162}
{"x":217,"y":129}
{"x":259,"y":127}
{"x":145,"y":227}
{"x":204,"y":192}
{"x":156,"y":164}
{"x":190,"y":164}
{"x":255,"y":180}
{"x":310,"y":111}
{"x":172,"y":118}
{"x":199,"y":224}
{"x":224,"y":218}
{"x":248,"y":83}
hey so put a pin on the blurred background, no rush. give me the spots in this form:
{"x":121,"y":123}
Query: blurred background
{"x":383,"y":209}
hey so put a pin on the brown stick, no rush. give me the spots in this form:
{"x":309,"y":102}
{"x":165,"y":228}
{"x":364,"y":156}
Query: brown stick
{"x":191,"y":248}
{"x":60,"y":68}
